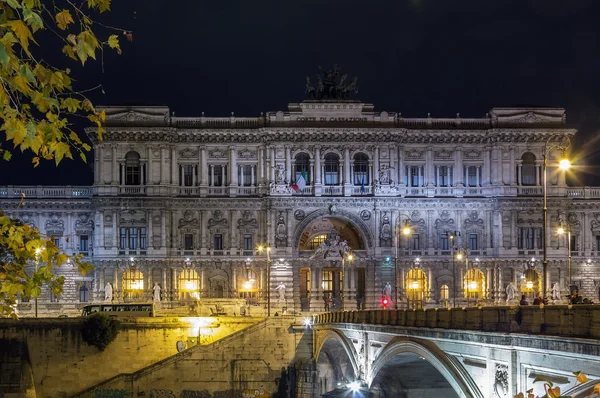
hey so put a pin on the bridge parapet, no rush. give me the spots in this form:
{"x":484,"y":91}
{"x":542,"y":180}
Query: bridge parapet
{"x":561,"y":320}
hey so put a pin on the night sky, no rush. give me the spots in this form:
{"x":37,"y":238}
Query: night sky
{"x":419,"y":56}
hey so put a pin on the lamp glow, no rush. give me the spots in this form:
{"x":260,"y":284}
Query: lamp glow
{"x":307,"y":322}
{"x":529,"y":284}
{"x":414,"y":285}
{"x":560,"y":230}
{"x":350,"y":257}
{"x":354,"y":386}
{"x":564,"y":164}
{"x":459,"y":256}
{"x":473,"y":285}
{"x":406,"y":230}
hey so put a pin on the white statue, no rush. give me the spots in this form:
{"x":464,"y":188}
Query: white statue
{"x":510,"y":292}
{"x":108,"y":291}
{"x":281,"y":289}
{"x":555,"y":292}
{"x":156,"y":289}
{"x":387,"y":291}
{"x":279,"y":174}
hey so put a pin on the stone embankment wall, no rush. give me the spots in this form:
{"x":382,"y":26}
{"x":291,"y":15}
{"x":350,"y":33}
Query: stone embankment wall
{"x":252,"y":363}
{"x":62,"y":364}
{"x":562,"y":320}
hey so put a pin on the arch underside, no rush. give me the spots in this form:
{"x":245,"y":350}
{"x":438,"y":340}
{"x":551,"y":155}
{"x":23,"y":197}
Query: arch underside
{"x":335,"y":362}
{"x":408,"y":367}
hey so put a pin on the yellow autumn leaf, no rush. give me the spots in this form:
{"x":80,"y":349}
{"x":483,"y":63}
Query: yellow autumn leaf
{"x":36,"y":161}
{"x":554,"y":392}
{"x":102,"y":5}
{"x":519,"y":395}
{"x":22,"y":84}
{"x":15,"y":130}
{"x":113,"y":41}
{"x":68,"y":51}
{"x":582,"y":378}
{"x":63,"y":19}
{"x":22,"y":32}
{"x":72,"y":104}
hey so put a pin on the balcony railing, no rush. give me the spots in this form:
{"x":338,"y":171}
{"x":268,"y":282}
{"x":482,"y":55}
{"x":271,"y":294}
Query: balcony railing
{"x":248,"y":191}
{"x":46,"y":192}
{"x":333,"y":190}
{"x":132,"y":189}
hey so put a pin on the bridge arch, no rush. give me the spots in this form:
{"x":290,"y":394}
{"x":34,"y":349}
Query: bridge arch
{"x":330,"y":349}
{"x":449,"y":368}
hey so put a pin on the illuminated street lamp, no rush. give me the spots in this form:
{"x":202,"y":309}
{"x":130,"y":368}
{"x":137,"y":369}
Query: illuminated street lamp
{"x":459,"y":256}
{"x":267,"y":249}
{"x":563,"y":142}
{"x":405,"y":231}
{"x":452,"y":237}
{"x":561,"y":231}
{"x":345,"y":257}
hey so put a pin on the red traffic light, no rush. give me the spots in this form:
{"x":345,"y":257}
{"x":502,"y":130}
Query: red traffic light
{"x":384,"y":301}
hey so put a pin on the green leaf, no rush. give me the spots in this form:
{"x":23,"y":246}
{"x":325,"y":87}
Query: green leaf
{"x":543,"y":379}
{"x":33,"y":19}
{"x":4,"y":57}
{"x":13,"y":3}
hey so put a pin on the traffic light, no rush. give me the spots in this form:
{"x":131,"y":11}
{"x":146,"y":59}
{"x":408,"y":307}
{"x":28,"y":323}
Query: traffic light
{"x":385,"y":302}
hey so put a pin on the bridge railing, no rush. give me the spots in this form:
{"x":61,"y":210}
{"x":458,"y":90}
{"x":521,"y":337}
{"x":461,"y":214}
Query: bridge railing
{"x":561,"y":320}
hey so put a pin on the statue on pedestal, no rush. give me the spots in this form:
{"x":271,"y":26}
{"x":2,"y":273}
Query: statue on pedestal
{"x":510,"y":292}
{"x":108,"y":292}
{"x":156,"y":289}
{"x":555,"y":292}
{"x":387,"y":291}
{"x":281,"y":290}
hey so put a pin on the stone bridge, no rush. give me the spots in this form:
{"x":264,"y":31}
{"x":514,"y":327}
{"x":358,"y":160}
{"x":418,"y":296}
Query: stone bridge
{"x":461,"y":352}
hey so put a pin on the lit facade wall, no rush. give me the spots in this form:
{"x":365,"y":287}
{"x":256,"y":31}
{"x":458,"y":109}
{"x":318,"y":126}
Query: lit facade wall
{"x":173,"y":194}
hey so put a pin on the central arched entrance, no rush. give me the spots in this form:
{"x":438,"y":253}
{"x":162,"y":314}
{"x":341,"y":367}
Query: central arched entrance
{"x":330,"y":274}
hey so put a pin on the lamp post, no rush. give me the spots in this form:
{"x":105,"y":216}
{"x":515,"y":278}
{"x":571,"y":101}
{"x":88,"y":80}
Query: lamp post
{"x":38,"y":252}
{"x":561,"y":231}
{"x":459,"y":256}
{"x":268,"y":251}
{"x":555,"y":141}
{"x":343,"y":289}
{"x":405,"y":231}
{"x":452,"y":235}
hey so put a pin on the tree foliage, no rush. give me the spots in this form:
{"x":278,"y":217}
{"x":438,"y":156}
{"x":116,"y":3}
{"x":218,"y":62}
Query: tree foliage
{"x":99,"y":330}
{"x":38,"y":106}
{"x":552,"y":391}
{"x":37,"y":100}
{"x":28,"y":261}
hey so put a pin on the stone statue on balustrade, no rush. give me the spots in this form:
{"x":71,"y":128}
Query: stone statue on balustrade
{"x":281,"y":290}
{"x":555,"y":292}
{"x":510,"y":292}
{"x":156,"y":295}
{"x":387,"y":291}
{"x":108,"y":292}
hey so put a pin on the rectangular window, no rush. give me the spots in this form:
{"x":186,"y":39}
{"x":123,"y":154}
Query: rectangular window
{"x":248,"y":242}
{"x":414,"y":242}
{"x":444,"y":242}
{"x":246,"y":177}
{"x":133,"y":238}
{"x":132,"y":175}
{"x":188,"y":173}
{"x":414,"y":176}
{"x":327,"y":279}
{"x":83,"y":243}
{"x":218,"y":242}
{"x":219,"y":175}
{"x":472,"y":176}
{"x":53,"y":297}
{"x":331,"y":175}
{"x":445,"y":176}
{"x":473,"y":242}
{"x":123,"y":238}
{"x":529,"y":238}
{"x":188,"y":242}
{"x":83,"y":293}
{"x":143,"y":238}
{"x":574,"y":247}
{"x":598,"y":243}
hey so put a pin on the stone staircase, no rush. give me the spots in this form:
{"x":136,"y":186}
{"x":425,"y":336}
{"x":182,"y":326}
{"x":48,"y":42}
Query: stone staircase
{"x":249,"y":358}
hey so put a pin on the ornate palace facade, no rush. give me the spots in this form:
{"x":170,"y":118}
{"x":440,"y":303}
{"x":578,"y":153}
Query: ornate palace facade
{"x":329,"y":186}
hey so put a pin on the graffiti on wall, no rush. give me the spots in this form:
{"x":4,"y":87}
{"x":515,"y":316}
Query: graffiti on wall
{"x":112,"y":394}
{"x":161,"y":394}
{"x":258,"y":393}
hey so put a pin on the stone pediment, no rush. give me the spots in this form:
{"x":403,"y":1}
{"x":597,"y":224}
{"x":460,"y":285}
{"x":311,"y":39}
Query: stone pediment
{"x":136,"y":115}
{"x":502,"y":117}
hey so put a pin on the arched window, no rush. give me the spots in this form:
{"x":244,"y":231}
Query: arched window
{"x":302,"y":167}
{"x":416,"y":286}
{"x":133,"y":284}
{"x":528,"y":169}
{"x":132,"y":168}
{"x":332,"y":168}
{"x":444,"y":292}
{"x":361,"y":169}
{"x":189,"y":285}
{"x":316,"y":241}
{"x":473,"y":283}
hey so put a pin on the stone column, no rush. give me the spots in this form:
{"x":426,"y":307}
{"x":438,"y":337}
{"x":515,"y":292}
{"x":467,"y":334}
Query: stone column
{"x":100,"y":165}
{"x":401,"y":167}
{"x":428,"y":181}
{"x":115,"y":229}
{"x":163,"y":230}
{"x":376,"y":165}
{"x":347,"y":177}
{"x":173,"y":165}
{"x":115,"y":170}
{"x":500,"y":166}
{"x":149,"y":178}
{"x":512,"y":166}
{"x":430,"y":293}
{"x":233,"y":175}
{"x":162,"y":168}
{"x":537,"y":174}
{"x":458,"y":176}
{"x":318,"y":176}
{"x":174,"y":287}
{"x":519,"y":173}
{"x":288,"y":165}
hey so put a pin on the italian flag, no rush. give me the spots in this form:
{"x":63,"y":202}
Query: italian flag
{"x":300,"y":183}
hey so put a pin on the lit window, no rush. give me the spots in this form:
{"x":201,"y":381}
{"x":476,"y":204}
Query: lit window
{"x":316,"y":241}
